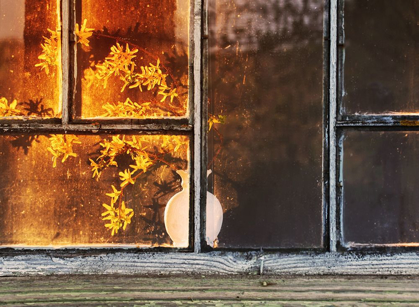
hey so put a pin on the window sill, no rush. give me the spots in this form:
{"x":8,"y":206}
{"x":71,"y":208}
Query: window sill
{"x":225,"y":263}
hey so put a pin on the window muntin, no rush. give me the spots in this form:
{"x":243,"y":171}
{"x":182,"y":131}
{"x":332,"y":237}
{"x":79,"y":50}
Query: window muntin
{"x":266,"y":60}
{"x":29,"y":38}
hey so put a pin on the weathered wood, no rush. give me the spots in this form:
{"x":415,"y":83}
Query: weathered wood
{"x":62,"y":262}
{"x":332,"y":129}
{"x":212,"y":291}
{"x":27,"y":127}
{"x":197,"y":118}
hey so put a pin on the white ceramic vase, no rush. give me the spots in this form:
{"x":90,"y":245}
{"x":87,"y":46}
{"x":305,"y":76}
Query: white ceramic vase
{"x":176,"y":215}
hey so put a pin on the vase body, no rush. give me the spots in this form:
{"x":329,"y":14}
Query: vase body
{"x":176,"y":215}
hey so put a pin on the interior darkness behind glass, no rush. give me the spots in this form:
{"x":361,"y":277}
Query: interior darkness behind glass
{"x":381,"y":56}
{"x":266,"y":69}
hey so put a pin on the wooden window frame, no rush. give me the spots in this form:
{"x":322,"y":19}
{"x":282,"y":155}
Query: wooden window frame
{"x":201,"y":260}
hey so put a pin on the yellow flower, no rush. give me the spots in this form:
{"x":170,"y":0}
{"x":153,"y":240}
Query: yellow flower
{"x":7,"y":109}
{"x":142,"y":162}
{"x":114,"y":195}
{"x":215,"y":120}
{"x":126,"y":178}
{"x":96,"y":169}
{"x":118,"y":217}
{"x":120,"y":59}
{"x":83,"y":34}
{"x":127,"y":109}
{"x":62,"y":145}
{"x":172,"y":93}
{"x":50,"y":55}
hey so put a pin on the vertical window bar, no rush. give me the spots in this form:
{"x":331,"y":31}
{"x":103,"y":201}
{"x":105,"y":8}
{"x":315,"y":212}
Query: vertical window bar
{"x":332,"y":123}
{"x":325,"y":151}
{"x":65,"y":42}
{"x":75,"y":10}
{"x":199,"y":135}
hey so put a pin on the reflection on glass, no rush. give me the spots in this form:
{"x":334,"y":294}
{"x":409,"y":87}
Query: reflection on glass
{"x":60,"y":190}
{"x":266,"y":122}
{"x":380,"y":182}
{"x":133,"y":59}
{"x":30,"y":58}
{"x":381,"y":62}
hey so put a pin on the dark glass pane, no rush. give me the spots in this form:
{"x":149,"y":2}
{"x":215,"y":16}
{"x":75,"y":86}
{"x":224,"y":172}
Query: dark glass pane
{"x":266,"y":85}
{"x":380,"y":182}
{"x":103,"y":190}
{"x":30,"y":58}
{"x":381,"y":56}
{"x":133,"y":58}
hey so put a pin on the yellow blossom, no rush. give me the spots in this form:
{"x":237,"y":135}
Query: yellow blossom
{"x":117,"y":217}
{"x":126,"y":178}
{"x":142,"y":163}
{"x":114,"y":195}
{"x":83,"y":34}
{"x":171,"y":93}
{"x":215,"y":120}
{"x":50,"y":55}
{"x":62,"y":145}
{"x":8,"y":109}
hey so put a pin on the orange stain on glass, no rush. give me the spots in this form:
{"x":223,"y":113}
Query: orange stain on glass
{"x":136,"y":62}
{"x":29,"y":37}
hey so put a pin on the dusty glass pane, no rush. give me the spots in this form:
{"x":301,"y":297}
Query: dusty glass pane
{"x":266,"y":123}
{"x":103,"y":190}
{"x":30,"y":58}
{"x":380,"y":184}
{"x":381,"y":56}
{"x":133,"y":59}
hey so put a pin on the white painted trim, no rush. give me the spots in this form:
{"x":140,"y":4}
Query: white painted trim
{"x":65,"y":62}
{"x":210,"y":263}
{"x":197,"y":30}
{"x":332,"y":123}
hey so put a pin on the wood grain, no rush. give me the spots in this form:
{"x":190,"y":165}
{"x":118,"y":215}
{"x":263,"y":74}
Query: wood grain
{"x":209,"y":291}
{"x":25,"y":263}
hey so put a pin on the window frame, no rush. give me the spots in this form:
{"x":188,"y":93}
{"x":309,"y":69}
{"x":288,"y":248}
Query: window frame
{"x":200,"y":259}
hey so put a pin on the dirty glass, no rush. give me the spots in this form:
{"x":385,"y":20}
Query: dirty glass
{"x":381,"y":65}
{"x":265,"y":124}
{"x":132,"y":58}
{"x":30,"y":59}
{"x":68,"y":190}
{"x":380,"y":188}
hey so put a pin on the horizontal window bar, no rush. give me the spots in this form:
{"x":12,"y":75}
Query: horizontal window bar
{"x":385,"y":120}
{"x":94,"y":128}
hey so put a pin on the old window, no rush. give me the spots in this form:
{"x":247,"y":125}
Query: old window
{"x":221,"y":125}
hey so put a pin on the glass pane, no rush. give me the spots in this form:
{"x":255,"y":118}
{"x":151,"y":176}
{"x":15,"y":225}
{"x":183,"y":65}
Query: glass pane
{"x":381,"y":62}
{"x":380,"y":181}
{"x":67,"y":190}
{"x":30,"y":58}
{"x":266,"y":123}
{"x":133,"y":59}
